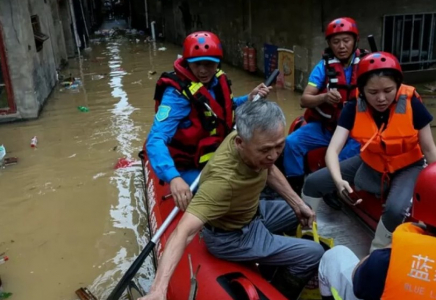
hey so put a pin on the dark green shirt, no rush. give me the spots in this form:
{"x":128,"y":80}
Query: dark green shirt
{"x":229,"y":190}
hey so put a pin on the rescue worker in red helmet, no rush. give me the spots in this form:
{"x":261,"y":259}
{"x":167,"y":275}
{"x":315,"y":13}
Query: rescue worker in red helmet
{"x":406,"y":269}
{"x":194,"y":112}
{"x":392,"y":125}
{"x":331,"y":83}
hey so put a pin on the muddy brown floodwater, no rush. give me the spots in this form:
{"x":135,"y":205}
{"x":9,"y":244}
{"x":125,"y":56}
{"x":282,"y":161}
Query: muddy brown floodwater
{"x":68,"y":218}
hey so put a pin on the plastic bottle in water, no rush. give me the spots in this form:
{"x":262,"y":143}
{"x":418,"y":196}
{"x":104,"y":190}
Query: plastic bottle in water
{"x":33,"y":142}
{"x":2,"y":155}
{"x":83,"y":108}
{"x":2,"y":152}
{"x":3,"y":295}
{"x":4,"y":259}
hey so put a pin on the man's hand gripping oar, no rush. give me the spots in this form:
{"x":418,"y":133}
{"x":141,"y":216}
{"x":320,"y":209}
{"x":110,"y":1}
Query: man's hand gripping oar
{"x":131,"y":272}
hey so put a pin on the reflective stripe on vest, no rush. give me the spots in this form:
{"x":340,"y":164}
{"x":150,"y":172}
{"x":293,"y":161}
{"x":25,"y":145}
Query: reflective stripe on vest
{"x":334,"y":60}
{"x":206,"y":157}
{"x":194,"y":87}
{"x":337,"y":65}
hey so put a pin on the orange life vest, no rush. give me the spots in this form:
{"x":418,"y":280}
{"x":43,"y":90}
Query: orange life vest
{"x":335,"y":79}
{"x":395,"y":146}
{"x":412,"y":267}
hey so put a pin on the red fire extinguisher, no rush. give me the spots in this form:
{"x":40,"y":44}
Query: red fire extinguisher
{"x":251,"y":59}
{"x":245,"y":55}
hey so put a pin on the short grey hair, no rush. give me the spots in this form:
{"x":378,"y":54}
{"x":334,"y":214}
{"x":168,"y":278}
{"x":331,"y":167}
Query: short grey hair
{"x":262,"y":115}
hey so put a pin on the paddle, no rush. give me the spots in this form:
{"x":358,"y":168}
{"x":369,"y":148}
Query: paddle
{"x":268,"y":82}
{"x":372,"y":44}
{"x":131,"y":272}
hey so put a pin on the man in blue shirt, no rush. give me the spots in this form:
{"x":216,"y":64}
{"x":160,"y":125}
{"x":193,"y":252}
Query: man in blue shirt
{"x":403,"y":270}
{"x":195,"y":113}
{"x":331,"y":83}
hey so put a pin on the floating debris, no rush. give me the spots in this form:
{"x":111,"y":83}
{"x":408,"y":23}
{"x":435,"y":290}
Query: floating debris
{"x":137,"y":82}
{"x":83,"y":108}
{"x":97,"y":77}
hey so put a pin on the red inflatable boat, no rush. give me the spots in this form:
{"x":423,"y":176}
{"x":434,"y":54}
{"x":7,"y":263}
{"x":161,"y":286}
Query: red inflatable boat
{"x":216,"y":279}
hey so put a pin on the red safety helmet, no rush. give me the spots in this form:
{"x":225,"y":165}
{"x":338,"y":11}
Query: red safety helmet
{"x":424,"y":204}
{"x":379,"y":61}
{"x":342,"y":25}
{"x":202,"y":45}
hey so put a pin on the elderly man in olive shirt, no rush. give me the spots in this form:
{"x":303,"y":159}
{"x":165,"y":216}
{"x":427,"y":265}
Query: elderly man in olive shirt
{"x":237,"y":226}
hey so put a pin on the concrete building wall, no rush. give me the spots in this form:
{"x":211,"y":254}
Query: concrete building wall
{"x":59,"y":41}
{"x":155,"y":14}
{"x":286,"y":24}
{"x":43,"y":62}
{"x":32,"y":73}
{"x":174,"y":30}
{"x":67,"y":28}
{"x":87,"y":12}
{"x":292,"y":24}
{"x":140,"y":15}
{"x":19,"y":47}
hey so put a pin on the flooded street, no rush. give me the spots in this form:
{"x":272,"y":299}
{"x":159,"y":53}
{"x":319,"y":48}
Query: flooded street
{"x":69,"y":218}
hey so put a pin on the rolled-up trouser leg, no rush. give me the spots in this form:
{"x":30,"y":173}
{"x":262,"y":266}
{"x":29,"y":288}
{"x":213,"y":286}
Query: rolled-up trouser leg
{"x":335,"y":273}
